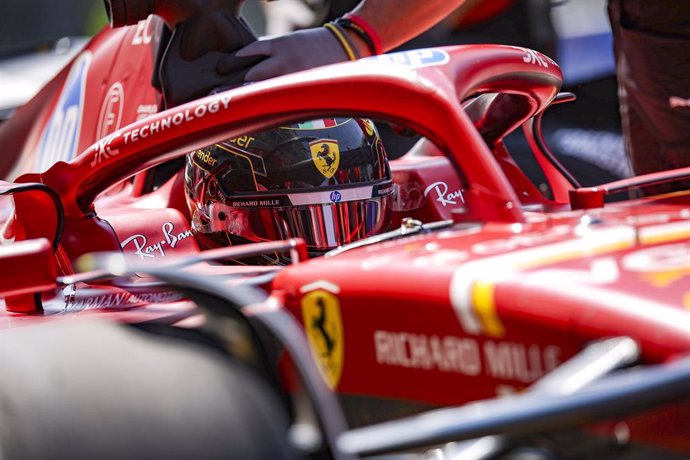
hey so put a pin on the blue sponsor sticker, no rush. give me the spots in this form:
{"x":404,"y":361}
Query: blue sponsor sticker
{"x":415,"y":58}
{"x":336,"y":196}
{"x":60,"y":136}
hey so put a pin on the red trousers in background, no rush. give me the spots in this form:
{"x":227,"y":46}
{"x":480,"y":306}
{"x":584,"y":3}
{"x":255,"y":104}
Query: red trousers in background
{"x":652,"y":48}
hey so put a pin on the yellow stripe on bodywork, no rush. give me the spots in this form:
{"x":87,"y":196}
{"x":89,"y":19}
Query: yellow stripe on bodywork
{"x":494,"y":269}
{"x":484,"y":306}
{"x":473,"y":283}
{"x":664,"y":233}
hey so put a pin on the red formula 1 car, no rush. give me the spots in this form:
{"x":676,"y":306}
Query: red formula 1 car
{"x":487,"y":283}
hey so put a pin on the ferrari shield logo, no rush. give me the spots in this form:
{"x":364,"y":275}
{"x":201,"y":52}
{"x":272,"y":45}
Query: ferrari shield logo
{"x":322,"y":322}
{"x":326,"y":156}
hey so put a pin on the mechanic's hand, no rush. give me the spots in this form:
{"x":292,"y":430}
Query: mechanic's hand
{"x":289,"y":53}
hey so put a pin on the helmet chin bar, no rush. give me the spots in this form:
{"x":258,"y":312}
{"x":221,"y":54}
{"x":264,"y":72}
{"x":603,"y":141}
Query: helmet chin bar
{"x":187,"y":62}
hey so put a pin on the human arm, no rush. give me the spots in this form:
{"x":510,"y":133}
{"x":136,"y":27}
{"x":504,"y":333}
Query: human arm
{"x":397,"y":21}
{"x":394,"y":21}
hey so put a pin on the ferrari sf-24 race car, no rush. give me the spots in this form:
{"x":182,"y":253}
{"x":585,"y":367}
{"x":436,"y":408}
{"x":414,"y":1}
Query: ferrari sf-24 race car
{"x":482,"y":281}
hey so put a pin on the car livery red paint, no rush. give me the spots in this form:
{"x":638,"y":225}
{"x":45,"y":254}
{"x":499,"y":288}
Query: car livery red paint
{"x":507,"y":286}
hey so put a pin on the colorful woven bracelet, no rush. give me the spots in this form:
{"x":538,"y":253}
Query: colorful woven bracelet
{"x":364,"y":29}
{"x":349,"y":40}
{"x":344,"y":42}
{"x":349,"y":25}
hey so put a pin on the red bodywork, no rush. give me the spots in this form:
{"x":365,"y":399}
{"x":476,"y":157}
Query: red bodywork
{"x":516,"y":285}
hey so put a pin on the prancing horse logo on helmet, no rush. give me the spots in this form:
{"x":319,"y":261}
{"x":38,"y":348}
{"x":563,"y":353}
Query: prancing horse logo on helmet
{"x":326,"y":156}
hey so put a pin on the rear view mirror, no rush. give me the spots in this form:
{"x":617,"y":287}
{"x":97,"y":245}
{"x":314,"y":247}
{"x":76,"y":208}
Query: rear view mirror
{"x":27,"y":267}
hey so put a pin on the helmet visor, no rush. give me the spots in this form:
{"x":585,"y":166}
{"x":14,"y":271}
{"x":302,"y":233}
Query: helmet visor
{"x":343,"y":217}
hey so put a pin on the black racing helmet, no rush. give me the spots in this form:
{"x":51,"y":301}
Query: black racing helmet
{"x":327,"y":181}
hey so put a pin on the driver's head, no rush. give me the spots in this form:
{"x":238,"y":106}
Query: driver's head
{"x":327,"y":181}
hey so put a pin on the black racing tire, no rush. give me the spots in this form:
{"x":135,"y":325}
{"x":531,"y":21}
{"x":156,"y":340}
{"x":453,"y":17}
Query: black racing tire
{"x":95,"y":389}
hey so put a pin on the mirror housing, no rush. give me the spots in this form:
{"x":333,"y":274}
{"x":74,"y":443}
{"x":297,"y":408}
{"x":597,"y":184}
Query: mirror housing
{"x":26,"y":269}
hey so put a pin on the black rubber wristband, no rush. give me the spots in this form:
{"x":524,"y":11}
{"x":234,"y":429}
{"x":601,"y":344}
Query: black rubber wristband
{"x":347,"y":24}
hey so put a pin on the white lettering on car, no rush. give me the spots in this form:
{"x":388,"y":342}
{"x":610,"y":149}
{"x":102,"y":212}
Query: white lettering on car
{"x":501,"y":360}
{"x":144,"y":250}
{"x":121,"y":300}
{"x":112,"y":107}
{"x":517,"y":361}
{"x":418,"y":351}
{"x":103,"y":150}
{"x":532,"y":57}
{"x":442,"y":196}
{"x":143,"y":34}
{"x":146,"y":110}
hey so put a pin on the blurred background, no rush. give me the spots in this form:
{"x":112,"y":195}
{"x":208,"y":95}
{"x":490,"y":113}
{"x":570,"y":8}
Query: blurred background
{"x":38,"y":37}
